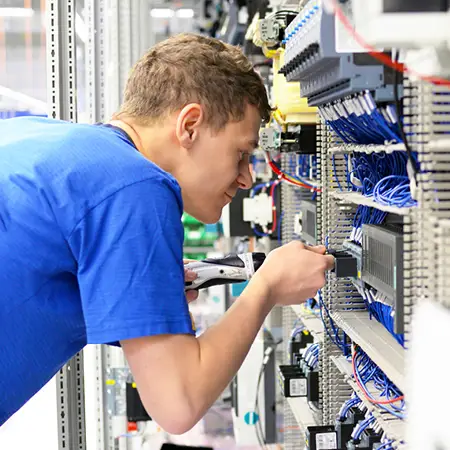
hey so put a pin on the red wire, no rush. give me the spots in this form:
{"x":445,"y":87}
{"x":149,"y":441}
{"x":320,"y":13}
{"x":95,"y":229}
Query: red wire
{"x":283,"y":176}
{"x":371,"y":400}
{"x":386,"y":60}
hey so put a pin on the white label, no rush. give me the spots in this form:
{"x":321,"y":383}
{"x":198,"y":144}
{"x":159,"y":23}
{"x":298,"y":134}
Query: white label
{"x":298,"y":387}
{"x":326,"y":441}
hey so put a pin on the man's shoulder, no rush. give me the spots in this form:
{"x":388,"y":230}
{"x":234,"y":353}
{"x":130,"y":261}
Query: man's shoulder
{"x":78,"y":165}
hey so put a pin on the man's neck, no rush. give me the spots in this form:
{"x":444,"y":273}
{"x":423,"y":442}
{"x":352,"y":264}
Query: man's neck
{"x":150,"y":143}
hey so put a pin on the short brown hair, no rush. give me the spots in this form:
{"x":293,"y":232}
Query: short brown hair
{"x":189,"y":68}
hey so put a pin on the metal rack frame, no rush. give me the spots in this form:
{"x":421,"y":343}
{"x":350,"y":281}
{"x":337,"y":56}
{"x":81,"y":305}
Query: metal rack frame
{"x":116,"y":36}
{"x":61,"y":51}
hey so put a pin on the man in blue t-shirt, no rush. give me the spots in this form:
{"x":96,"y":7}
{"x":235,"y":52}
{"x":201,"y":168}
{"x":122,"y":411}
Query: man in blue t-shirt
{"x":91,"y":239}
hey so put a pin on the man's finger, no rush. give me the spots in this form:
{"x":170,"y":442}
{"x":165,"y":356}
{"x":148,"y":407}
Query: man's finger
{"x":320,"y":249}
{"x":191,"y":295}
{"x":329,"y":262}
{"x":190,"y":275}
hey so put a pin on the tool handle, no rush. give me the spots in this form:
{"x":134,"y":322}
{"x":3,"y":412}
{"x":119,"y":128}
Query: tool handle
{"x":233,"y":268}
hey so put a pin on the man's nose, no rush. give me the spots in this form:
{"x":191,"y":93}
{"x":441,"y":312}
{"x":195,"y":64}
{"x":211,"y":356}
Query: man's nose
{"x":244,"y":179}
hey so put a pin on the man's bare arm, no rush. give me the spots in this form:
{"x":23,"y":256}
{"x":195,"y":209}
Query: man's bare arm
{"x":179,"y":377}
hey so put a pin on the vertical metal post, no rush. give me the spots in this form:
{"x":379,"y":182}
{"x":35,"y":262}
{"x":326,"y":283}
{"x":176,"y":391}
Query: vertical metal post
{"x":96,"y":17}
{"x":96,"y":47}
{"x":126,"y":35}
{"x":144,"y":26}
{"x":135,"y":23}
{"x":112,"y":82}
{"x":61,"y":50}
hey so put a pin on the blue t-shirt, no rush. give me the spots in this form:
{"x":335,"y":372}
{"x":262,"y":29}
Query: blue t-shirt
{"x":91,"y":245}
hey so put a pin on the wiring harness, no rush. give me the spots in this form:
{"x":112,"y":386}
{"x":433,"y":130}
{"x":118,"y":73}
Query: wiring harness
{"x":358,"y":120}
{"x":383,"y":177}
{"x":349,"y":404}
{"x":362,"y":426}
{"x":368,"y":422}
{"x":382,"y":311}
{"x":311,"y":355}
{"x":365,"y":215}
{"x":389,"y":397}
{"x":340,"y":341}
{"x":295,"y":180}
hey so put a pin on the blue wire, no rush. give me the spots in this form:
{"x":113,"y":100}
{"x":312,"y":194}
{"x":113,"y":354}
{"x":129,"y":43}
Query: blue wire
{"x":363,"y":426}
{"x":368,"y":372}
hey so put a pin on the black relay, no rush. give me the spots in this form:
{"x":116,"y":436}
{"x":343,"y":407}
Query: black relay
{"x":321,"y":437}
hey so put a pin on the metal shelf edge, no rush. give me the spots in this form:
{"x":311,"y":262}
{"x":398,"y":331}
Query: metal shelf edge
{"x":312,"y":323}
{"x":359,"y":199}
{"x":376,"y":341}
{"x":395,"y":428}
{"x":302,"y":412}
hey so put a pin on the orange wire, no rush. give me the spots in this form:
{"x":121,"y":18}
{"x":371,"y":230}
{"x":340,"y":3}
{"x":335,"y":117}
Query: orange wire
{"x":371,"y":400}
{"x":386,"y":60}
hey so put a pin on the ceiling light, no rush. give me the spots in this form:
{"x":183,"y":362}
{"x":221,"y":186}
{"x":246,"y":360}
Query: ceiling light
{"x":162,"y":13}
{"x":185,"y":13}
{"x":16,"y":12}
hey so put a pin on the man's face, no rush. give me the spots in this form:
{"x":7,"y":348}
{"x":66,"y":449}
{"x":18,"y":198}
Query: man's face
{"x":218,"y":165}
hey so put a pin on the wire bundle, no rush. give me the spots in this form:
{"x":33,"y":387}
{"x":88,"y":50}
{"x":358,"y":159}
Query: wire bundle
{"x":311,"y":355}
{"x":383,"y":312}
{"x":369,"y":169}
{"x":304,"y":165}
{"x":365,"y":215}
{"x":339,"y":341}
{"x":361,"y":426}
{"x":349,"y":404}
{"x":358,"y":120}
{"x":288,"y":178}
{"x":394,"y":190}
{"x":382,"y":176}
{"x":365,"y":371}
{"x":387,"y":444}
{"x":297,"y":330}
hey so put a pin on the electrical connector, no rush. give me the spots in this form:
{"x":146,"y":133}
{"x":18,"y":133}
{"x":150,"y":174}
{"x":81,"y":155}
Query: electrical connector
{"x":346,"y":265}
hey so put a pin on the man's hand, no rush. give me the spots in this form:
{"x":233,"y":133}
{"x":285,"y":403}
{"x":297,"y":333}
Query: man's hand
{"x":177,"y":375}
{"x":293,"y":273}
{"x":190,"y":275}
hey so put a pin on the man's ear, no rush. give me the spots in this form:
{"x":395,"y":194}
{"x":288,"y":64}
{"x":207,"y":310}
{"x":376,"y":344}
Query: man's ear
{"x":189,"y":121}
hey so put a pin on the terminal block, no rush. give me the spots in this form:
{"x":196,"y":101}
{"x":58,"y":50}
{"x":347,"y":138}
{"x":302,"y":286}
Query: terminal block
{"x":326,"y":75}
